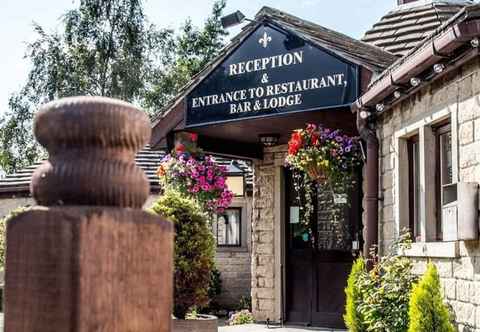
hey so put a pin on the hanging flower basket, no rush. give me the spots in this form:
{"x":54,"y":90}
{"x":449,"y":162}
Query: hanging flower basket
{"x":323,"y":153}
{"x":325,"y":156}
{"x":316,"y":173}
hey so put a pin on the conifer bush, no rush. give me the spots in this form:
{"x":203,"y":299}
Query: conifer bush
{"x":428,"y":312}
{"x":377,"y":300}
{"x":353,"y":318}
{"x":194,"y":251}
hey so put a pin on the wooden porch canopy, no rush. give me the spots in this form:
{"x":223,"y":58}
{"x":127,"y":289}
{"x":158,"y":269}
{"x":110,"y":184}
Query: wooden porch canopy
{"x":279,"y":73}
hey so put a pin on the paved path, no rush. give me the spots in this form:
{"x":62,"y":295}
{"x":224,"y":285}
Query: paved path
{"x":249,"y":328}
{"x":264,"y":328}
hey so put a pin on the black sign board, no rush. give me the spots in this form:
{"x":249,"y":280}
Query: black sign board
{"x":272,"y":72}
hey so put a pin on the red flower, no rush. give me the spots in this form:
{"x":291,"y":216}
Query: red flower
{"x":193,"y":137}
{"x":311,"y":128}
{"x":161,"y":171}
{"x":295,"y":143}
{"x":315,"y":138}
{"x":180,"y":148}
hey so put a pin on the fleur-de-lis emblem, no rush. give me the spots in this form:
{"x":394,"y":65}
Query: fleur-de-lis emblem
{"x":265,"y":40}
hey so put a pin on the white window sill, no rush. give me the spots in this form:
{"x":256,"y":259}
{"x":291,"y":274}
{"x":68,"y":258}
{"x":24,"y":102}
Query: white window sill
{"x":433,"y":249}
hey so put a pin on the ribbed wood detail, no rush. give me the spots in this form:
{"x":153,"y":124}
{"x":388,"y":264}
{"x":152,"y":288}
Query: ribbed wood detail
{"x":92,"y":142}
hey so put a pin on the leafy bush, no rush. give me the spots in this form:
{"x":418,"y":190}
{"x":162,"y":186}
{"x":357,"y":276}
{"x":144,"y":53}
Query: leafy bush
{"x":352,"y":317}
{"x":427,"y":311}
{"x":381,"y":296}
{"x":3,"y":232}
{"x":194,"y":251}
{"x":241,"y":317}
{"x":245,"y":303}
{"x":214,"y":291}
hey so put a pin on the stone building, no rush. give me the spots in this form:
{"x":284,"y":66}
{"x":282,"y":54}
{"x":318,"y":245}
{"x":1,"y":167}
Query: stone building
{"x":407,"y":88}
{"x":426,"y":108}
{"x":410,"y":89}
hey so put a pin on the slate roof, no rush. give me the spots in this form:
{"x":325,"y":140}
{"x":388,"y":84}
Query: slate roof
{"x":403,"y":28}
{"x":19,"y":183}
{"x":356,"y":51}
{"x":352,"y":49}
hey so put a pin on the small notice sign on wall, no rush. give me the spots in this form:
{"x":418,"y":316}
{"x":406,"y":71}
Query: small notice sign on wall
{"x":294,"y":214}
{"x":340,"y":198}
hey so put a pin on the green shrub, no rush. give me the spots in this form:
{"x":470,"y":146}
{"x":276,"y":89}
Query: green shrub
{"x":214,"y":291}
{"x":427,"y":312}
{"x":241,"y":317}
{"x":377,"y":300}
{"x":194,"y":251}
{"x":352,"y":317}
{"x":245,"y":303}
{"x":3,"y":232}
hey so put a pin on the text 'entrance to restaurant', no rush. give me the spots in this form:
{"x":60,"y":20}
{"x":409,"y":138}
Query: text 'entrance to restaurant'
{"x":319,"y":254}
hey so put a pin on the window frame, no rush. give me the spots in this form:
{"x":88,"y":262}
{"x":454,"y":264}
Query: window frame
{"x":429,"y":245}
{"x":413,"y":147}
{"x":240,"y":228}
{"x":441,"y":129}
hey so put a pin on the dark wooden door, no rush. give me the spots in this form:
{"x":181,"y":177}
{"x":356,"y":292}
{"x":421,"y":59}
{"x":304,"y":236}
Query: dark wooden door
{"x":319,"y":256}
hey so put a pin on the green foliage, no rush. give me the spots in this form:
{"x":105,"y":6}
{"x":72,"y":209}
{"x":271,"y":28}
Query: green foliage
{"x":104,"y":48}
{"x":245,"y":303}
{"x":241,"y":317}
{"x":214,"y":291}
{"x":352,"y":317}
{"x":3,"y":232}
{"x":190,"y":51}
{"x":380,"y":297}
{"x":427,"y":312}
{"x":194,"y":251}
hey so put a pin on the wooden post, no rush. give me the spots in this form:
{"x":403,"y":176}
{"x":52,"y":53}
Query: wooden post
{"x":89,"y":259}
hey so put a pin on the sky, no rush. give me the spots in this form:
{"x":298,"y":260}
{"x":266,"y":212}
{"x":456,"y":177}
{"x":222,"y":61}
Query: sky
{"x":352,"y":17}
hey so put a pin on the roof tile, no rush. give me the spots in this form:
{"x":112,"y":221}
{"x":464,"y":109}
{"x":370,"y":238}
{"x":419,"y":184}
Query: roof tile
{"x":410,"y":25}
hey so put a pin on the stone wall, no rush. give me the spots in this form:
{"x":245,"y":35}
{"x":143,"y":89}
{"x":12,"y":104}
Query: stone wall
{"x":265,"y":251}
{"x":234,"y":264}
{"x":460,"y":279}
{"x":459,"y":93}
{"x":234,"y":267}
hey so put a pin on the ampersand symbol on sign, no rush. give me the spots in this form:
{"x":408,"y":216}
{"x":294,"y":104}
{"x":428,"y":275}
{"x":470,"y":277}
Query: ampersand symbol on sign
{"x":265,"y":78}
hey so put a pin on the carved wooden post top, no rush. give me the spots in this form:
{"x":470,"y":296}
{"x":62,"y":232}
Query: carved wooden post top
{"x":92,"y":142}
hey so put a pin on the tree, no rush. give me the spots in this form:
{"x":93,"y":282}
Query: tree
{"x":105,"y":48}
{"x":193,"y":49}
{"x":427,"y":311}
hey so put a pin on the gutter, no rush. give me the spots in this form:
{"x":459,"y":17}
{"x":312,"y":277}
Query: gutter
{"x":433,"y":51}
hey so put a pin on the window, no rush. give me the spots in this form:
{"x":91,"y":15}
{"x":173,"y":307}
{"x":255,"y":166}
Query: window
{"x":414,"y":187}
{"x":444,"y":168}
{"x":425,"y":172}
{"x":227,"y":228}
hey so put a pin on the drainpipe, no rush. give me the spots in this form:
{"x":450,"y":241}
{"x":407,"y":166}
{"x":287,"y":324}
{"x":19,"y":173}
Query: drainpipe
{"x":367,"y":131}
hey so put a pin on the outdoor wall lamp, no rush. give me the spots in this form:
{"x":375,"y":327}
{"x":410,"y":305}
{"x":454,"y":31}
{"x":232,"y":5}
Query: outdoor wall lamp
{"x":475,"y":42}
{"x":235,"y":180}
{"x":380,"y":107}
{"x":415,"y":81}
{"x":397,"y":94}
{"x":233,"y":19}
{"x":269,"y":139}
{"x":364,"y":114}
{"x":439,"y":68}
